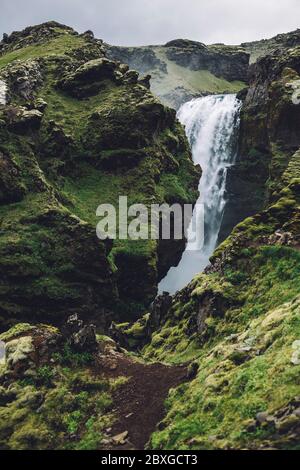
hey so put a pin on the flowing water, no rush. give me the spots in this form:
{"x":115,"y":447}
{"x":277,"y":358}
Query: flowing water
{"x":211,"y":125}
{"x":3,"y":92}
{"x":2,"y":352}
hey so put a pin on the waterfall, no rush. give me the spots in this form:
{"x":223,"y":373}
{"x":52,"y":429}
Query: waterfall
{"x":3,"y":92}
{"x":2,"y":352}
{"x":211,"y":124}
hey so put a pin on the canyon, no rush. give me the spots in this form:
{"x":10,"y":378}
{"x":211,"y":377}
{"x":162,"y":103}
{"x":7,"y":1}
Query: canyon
{"x":84,"y":332}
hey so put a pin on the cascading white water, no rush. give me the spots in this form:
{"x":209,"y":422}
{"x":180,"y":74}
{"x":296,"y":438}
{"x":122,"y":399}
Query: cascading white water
{"x":3,"y":92}
{"x":2,"y":352}
{"x":211,"y":124}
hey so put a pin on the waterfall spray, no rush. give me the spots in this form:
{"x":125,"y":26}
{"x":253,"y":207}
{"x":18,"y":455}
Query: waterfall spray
{"x":3,"y":92}
{"x":211,"y":124}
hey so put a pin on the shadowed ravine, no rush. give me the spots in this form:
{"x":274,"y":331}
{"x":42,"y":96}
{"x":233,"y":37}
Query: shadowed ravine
{"x":211,"y":125}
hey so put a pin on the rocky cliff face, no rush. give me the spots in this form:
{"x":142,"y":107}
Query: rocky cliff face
{"x":239,"y":321}
{"x":229,"y":62}
{"x":183,"y":69}
{"x":78,"y":130}
{"x":269,"y":135}
{"x":258,"y":49}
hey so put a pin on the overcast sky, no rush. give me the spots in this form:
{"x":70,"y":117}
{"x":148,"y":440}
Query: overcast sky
{"x":137,"y":22}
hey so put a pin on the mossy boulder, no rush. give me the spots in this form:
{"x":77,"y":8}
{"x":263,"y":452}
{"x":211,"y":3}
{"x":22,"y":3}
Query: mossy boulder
{"x":90,"y":78}
{"x":49,"y":396}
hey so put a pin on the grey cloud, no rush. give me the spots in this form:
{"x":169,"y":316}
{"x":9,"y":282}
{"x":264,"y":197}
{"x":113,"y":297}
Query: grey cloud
{"x":137,"y":22}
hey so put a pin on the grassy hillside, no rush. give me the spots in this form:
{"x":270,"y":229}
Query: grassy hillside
{"x":187,"y":69}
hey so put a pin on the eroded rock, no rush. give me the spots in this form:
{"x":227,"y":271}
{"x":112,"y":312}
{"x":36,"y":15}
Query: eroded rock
{"x":89,"y":78}
{"x":295,"y":359}
{"x":23,"y":120}
{"x":23,"y":78}
{"x":12,"y":188}
{"x":80,"y":337}
{"x":18,"y":352}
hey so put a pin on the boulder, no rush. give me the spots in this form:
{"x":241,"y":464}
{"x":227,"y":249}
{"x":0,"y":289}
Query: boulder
{"x":192,"y":371}
{"x":88,"y":34}
{"x":81,"y":338}
{"x":12,"y":188}
{"x":23,"y":78}
{"x":295,"y":359}
{"x":132,"y":335}
{"x":3,"y":93}
{"x":145,"y":81}
{"x":285,"y":425}
{"x":72,"y":325}
{"x":131,"y":77}
{"x":18,"y":352}
{"x":22,"y":120}
{"x":41,"y":104}
{"x":85,"y":339}
{"x":27,"y":347}
{"x":89,"y":78}
{"x":120,"y":439}
{"x":159,"y":308}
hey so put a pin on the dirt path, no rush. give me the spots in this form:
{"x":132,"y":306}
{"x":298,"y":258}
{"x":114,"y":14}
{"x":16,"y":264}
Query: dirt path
{"x":138,"y":403}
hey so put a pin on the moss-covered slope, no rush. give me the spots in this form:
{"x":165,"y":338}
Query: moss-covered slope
{"x":49,"y":396}
{"x":70,"y":389}
{"x":78,"y":130}
{"x":240,"y":320}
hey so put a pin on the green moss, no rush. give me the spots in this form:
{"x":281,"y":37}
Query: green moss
{"x":119,"y":141}
{"x":74,"y":407}
{"x":54,"y":47}
{"x":244,"y":350}
{"x":261,"y":383}
{"x":16,"y":331}
{"x":93,"y":435}
{"x":45,"y":375}
{"x":70,"y":358}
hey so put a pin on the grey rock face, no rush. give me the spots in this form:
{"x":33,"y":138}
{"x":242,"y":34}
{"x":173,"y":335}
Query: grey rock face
{"x":81,"y":337}
{"x":229,"y":62}
{"x":23,"y":78}
{"x":175,"y":67}
{"x":142,"y":59}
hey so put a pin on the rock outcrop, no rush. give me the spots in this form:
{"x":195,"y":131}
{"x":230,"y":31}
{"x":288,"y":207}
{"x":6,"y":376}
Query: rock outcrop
{"x":269,"y":136}
{"x":183,"y":69}
{"x":76,"y":130}
{"x":258,"y":49}
{"x":228,"y":62}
